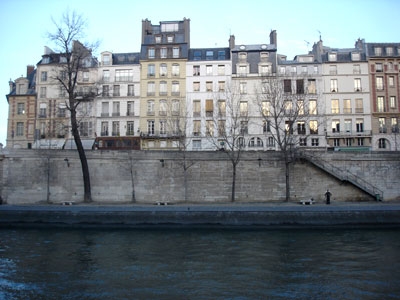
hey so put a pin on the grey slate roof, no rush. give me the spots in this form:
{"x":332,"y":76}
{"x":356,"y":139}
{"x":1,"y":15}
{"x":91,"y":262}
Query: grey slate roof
{"x":257,"y":47}
{"x":125,"y":58}
{"x":198,"y":54}
{"x":371,"y":49}
{"x":31,"y":85}
{"x":344,"y":55}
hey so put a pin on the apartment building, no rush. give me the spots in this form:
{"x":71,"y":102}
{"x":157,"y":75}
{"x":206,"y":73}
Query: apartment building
{"x":208,"y":80}
{"x":383,"y":64}
{"x":22,"y":111}
{"x":346,"y":97}
{"x":163,"y":56}
{"x":118,"y":102}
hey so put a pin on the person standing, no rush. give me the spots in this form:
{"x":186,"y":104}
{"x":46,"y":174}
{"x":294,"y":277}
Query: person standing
{"x":328,"y":196}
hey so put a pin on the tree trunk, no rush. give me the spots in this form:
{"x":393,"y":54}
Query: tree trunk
{"x":82,"y":156}
{"x":132,"y":181}
{"x":185,"y":183}
{"x":233,"y":182}
{"x":287,"y":172}
{"x":48,"y":181}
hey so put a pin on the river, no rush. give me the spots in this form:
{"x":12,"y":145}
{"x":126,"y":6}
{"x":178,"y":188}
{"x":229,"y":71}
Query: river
{"x":199,"y":264}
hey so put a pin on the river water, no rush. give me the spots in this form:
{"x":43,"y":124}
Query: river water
{"x":199,"y":264}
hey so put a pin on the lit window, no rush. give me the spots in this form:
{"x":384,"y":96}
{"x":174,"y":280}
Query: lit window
{"x":357,"y":84}
{"x":381,"y":104}
{"x":312,"y":107}
{"x":332,"y":57}
{"x":313,"y":127}
{"x":221,"y":69}
{"x":359,"y":106}
{"x":209,"y":70}
{"x":158,"y":39}
{"x":347,"y":106}
{"x":175,"y":70}
{"x":20,"y":108}
{"x":392,"y":102}
{"x":335,"y":106}
{"x":391,"y":81}
{"x":334,"y":86}
{"x":243,"y":108}
{"x":379,"y":83}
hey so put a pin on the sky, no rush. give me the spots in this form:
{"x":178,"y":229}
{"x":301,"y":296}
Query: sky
{"x":117,"y":25}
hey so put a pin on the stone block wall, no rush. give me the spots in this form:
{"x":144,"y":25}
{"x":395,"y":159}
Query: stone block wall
{"x":31,"y":176}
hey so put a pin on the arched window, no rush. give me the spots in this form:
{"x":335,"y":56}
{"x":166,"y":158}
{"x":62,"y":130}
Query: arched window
{"x":255,"y":142}
{"x":383,"y":144}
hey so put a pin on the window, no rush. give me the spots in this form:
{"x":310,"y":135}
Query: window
{"x":196,"y":128}
{"x":152,"y":53}
{"x":115,"y":128}
{"x":210,"y":127}
{"x":287,"y":86}
{"x":123,"y":75}
{"x":360,"y":141}
{"x":382,"y":125}
{"x":294,"y":70}
{"x":243,"y":87}
{"x":175,"y":52}
{"x":85,"y":128}
{"x":196,"y":70}
{"x":221,"y":55}
{"x":43,"y":92}
{"x":315,"y":69}
{"x":243,"y":127}
{"x":221,"y":69}
{"x":175,"y":70}
{"x":315,"y":142}
{"x":209,"y":108}
{"x":130,"y":128}
{"x":104,"y":128}
{"x":221,"y":86}
{"x":378,"y":67}
{"x":115,"y":112}
{"x":150,"y":107}
{"x":266,"y":126}
{"x":349,"y":142}
{"x":379,"y":83}
{"x":151,"y":88}
{"x":197,"y":55}
{"x":169,"y":27}
{"x":312,"y":88}
{"x":106,"y":75}
{"x":42,"y":129}
{"x":389,"y":51}
{"x":378,"y":51}
{"x":335,"y":106}
{"x":163,"y":52}
{"x":242,"y":56}
{"x":333,"y":70}
{"x":382,"y":144}
{"x":104,"y":109}
{"x":303,"y":141}
{"x":221,"y":108}
{"x":356,"y":69}
{"x":163,"y":88}
{"x":209,"y":86}
{"x":300,"y":86}
{"x":61,"y":110}
{"x":334,"y":86}
{"x":391,"y":81}
{"x":300,"y":107}
{"x":359,"y":106}
{"x":313,"y":127}
{"x":301,"y":127}
{"x":312,"y":107}
{"x":347,"y":106}
{"x":392,"y":102}
{"x":85,"y":76}
{"x":43,"y":76}
{"x":243,"y":108}
{"x":390,"y":66}
{"x":271,"y":141}
{"x":335,"y":126}
{"x":163,"y":107}
{"x":264,"y":56}
{"x":116,"y":91}
{"x":381,"y":104}
{"x":360,"y":125}
{"x":106,"y":60}
{"x":158,"y":39}
{"x":130,"y":109}
{"x":395,"y":127}
{"x":288,"y":107}
{"x":163,"y":127}
{"x":151,"y":70}
{"x":20,"y":108}
{"x":221,"y":128}
{"x":265,"y":70}
{"x":196,"y":145}
{"x":196,"y":86}
{"x":282,"y":70}
{"x":106,"y":90}
{"x":209,"y":70}
{"x":332,"y":56}
{"x":209,"y":55}
{"x":131,"y":90}
{"x":355,"y":56}
{"x":20,"y":128}
{"x":150,"y":127}
{"x":266,"y":108}
{"x":175,"y":88}
{"x":357,"y":84}
{"x":196,"y":108}
{"x":347,"y":125}
{"x":170,"y":38}
{"x":175,"y":107}
{"x":336,"y":142}
{"x":242,"y":70}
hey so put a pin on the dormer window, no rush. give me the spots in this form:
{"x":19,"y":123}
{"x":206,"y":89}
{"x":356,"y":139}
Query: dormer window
{"x":63,"y":59}
{"x":378,"y":51}
{"x":169,"y":27}
{"x":197,"y":55}
{"x":106,"y":60}
{"x":152,"y":53}
{"x":332,"y":57}
{"x":170,"y":39}
{"x":46,"y":60}
{"x":264,"y":55}
{"x":209,"y":55}
{"x":221,"y":54}
{"x":389,"y":51}
{"x":242,"y":56}
{"x":158,"y":39}
{"x":355,"y":56}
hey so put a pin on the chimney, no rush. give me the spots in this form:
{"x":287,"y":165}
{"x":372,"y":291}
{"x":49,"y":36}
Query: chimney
{"x":272,"y":38}
{"x":11,"y":83}
{"x":29,"y":70}
{"x":146,"y":29}
{"x":360,"y":44}
{"x":232,"y":41}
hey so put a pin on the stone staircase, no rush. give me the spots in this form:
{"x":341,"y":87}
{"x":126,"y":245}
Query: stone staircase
{"x":343,"y":175}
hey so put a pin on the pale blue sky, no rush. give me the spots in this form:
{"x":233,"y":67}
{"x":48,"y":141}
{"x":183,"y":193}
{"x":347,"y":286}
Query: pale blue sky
{"x":117,"y":24}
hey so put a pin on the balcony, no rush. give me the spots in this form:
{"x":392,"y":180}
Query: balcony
{"x":301,"y":131}
{"x":196,"y":114}
{"x":130,"y":113}
{"x":163,"y":93}
{"x":150,"y":113}
{"x":115,"y":114}
{"x":209,"y":114}
{"x":151,"y":93}
{"x":348,"y":133}
{"x":104,"y":133}
{"x":115,"y":133}
{"x":335,"y":110}
{"x":42,"y":115}
{"x":383,"y":129}
{"x":105,"y":114}
{"x":347,"y":110}
{"x":359,"y":110}
{"x":130,"y":133}
{"x":176,"y":93}
{"x":358,"y":89}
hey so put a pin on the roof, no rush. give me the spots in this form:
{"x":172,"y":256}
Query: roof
{"x":258,"y":47}
{"x":371,"y":49}
{"x":344,"y":55}
{"x":31,"y":85}
{"x":209,"y":54}
{"x":125,"y":58}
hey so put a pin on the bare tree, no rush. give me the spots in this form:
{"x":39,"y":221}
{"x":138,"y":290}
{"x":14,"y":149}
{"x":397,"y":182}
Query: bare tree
{"x":282,"y":108}
{"x":74,"y":57}
{"x":231,"y":123}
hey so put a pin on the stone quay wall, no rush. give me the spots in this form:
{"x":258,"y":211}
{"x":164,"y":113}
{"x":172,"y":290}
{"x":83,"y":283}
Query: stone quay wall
{"x":55,"y":176}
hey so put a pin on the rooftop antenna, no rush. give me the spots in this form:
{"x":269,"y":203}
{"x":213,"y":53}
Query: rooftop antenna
{"x":320,"y":37}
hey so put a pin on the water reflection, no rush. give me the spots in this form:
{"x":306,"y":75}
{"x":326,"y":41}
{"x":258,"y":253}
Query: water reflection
{"x":199,"y":264}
